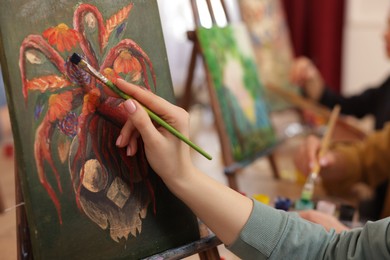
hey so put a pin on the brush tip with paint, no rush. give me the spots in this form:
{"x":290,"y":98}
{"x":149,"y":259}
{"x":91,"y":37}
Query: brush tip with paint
{"x":75,"y":58}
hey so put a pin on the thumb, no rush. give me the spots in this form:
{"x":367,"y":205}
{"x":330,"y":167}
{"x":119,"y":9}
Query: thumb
{"x":141,"y":121}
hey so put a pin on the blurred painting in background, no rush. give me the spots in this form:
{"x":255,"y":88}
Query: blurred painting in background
{"x":266,"y":22}
{"x":239,"y":92}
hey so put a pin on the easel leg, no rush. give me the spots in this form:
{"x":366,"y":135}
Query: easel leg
{"x":186,"y":98}
{"x":231,"y":175}
{"x":274,"y":167}
{"x":232,"y":181}
{"x":210,"y":254}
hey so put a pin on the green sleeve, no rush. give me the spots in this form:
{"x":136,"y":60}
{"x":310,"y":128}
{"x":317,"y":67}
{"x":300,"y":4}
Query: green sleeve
{"x":274,"y":234}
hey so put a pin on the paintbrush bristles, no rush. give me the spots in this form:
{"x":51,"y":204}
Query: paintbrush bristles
{"x":75,"y":58}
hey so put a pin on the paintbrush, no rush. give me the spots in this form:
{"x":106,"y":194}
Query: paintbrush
{"x":83,"y":64}
{"x":308,"y":188}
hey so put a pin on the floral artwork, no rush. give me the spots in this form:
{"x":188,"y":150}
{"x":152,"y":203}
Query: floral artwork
{"x":230,"y":62}
{"x":270,"y":39}
{"x":73,"y":89}
{"x":74,"y":124}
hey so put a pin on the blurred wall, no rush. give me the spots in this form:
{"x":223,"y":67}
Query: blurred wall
{"x":177,"y":18}
{"x":365,"y":62}
{"x":364,"y":59}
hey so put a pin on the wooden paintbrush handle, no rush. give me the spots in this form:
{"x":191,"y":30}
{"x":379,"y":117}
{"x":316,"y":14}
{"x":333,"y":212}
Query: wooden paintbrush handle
{"x":329,"y":131}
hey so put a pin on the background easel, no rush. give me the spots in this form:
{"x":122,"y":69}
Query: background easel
{"x":231,"y":166}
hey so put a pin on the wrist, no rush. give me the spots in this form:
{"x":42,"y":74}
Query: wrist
{"x":182,"y":177}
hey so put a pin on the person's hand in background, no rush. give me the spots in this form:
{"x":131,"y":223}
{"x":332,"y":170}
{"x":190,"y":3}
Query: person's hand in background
{"x":307,"y":153}
{"x":306,"y":75}
{"x":327,"y":221}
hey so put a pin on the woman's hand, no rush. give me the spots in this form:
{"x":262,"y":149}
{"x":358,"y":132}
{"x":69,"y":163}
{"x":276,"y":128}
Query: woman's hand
{"x":222,"y":209}
{"x":167,"y":155}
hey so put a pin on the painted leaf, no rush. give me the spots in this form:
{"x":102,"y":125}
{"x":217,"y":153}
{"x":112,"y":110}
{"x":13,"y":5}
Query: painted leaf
{"x":59,"y":106}
{"x":47,"y":83}
{"x":114,"y":21}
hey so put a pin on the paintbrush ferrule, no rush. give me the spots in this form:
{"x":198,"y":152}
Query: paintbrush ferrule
{"x":92,"y":71}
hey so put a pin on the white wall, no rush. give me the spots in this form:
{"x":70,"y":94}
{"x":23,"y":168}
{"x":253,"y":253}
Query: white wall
{"x":177,"y":19}
{"x":364,"y":63}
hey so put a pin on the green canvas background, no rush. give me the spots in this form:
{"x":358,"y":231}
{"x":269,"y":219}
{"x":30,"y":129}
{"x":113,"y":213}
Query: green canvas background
{"x":247,"y":139}
{"x":78,"y":237}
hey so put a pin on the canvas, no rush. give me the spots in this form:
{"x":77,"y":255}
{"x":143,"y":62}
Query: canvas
{"x":266,"y":23}
{"x":84,"y":197}
{"x":239,"y":93}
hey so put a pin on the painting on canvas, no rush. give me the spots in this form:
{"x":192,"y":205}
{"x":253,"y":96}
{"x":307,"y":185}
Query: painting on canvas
{"x":266,"y":23}
{"x":231,"y":65}
{"x":84,"y":197}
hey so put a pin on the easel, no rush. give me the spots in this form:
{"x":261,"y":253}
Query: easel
{"x":231,"y":167}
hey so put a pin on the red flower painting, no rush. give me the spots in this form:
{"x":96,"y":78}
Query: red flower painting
{"x":73,"y":105}
{"x":62,"y":37}
{"x":128,"y":64}
{"x":59,"y":106}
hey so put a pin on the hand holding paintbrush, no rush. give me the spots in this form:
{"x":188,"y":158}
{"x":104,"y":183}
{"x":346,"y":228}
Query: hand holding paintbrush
{"x":83,"y":64}
{"x":308,"y":188}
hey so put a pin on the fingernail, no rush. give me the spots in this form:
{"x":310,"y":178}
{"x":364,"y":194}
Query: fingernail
{"x":119,"y":140}
{"x":128,"y":150}
{"x":323,"y":161}
{"x":130,"y":106}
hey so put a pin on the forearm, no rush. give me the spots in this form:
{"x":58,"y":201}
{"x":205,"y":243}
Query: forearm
{"x":222,"y":209}
{"x":281,"y":235}
{"x":357,"y":105}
